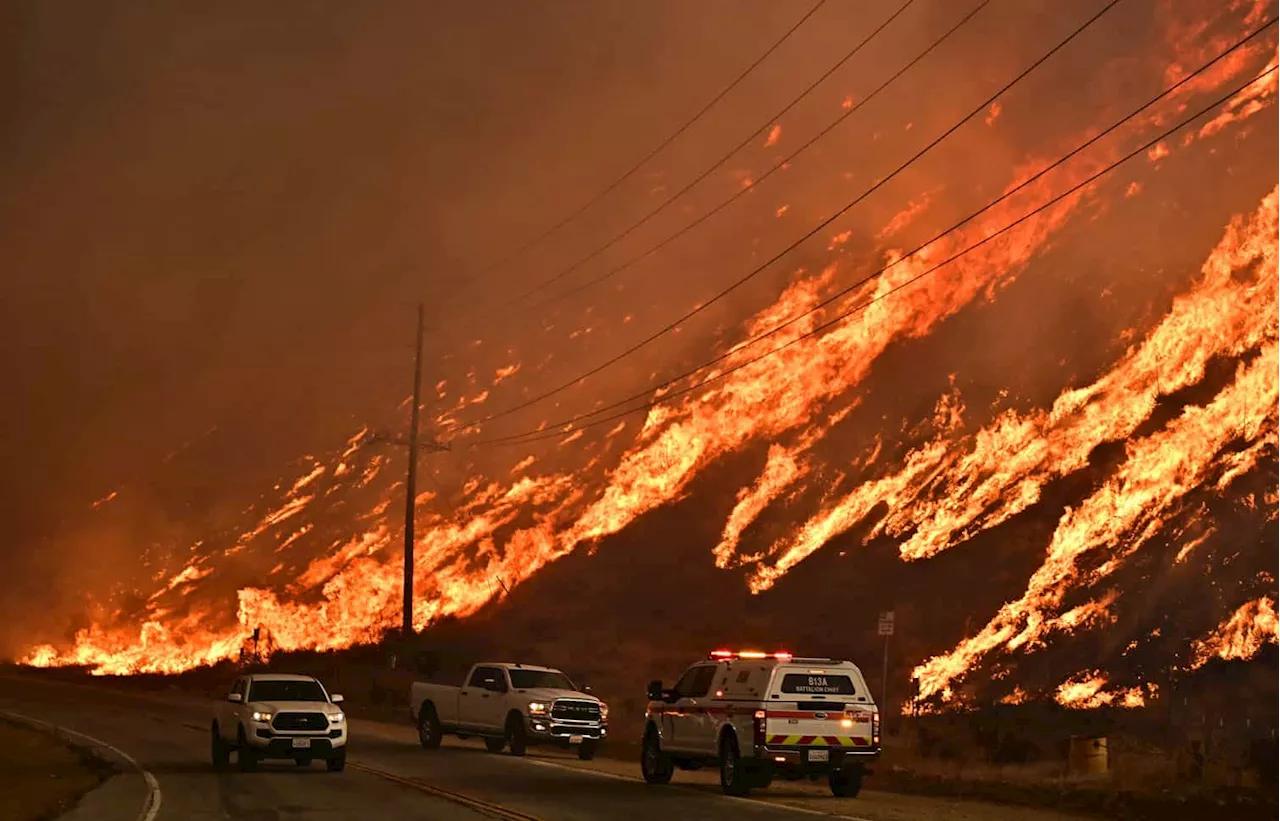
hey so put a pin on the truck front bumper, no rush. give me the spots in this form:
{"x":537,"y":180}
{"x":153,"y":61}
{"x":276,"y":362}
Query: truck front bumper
{"x":543,"y":730}
{"x":270,"y":744}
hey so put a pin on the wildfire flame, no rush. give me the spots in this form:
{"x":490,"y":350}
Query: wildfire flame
{"x":1239,"y":637}
{"x":942,"y":491}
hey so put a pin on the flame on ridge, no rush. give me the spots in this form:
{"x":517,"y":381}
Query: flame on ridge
{"x":1239,"y":637}
{"x":506,"y":533}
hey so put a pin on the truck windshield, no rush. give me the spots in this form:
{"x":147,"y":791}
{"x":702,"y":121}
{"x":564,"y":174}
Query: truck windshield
{"x":539,"y":680}
{"x":282,"y":689}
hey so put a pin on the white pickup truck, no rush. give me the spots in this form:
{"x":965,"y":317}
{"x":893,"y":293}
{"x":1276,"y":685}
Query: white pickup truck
{"x":276,"y":715}
{"x":510,"y":705}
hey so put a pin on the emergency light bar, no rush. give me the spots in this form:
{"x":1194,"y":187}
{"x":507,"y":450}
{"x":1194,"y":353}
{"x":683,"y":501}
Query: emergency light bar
{"x":749,"y":654}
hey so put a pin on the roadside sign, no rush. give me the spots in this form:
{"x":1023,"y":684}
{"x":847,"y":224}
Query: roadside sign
{"x":886,"y":623}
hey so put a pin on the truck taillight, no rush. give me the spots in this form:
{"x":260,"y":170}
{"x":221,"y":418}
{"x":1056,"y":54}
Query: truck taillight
{"x":875,"y":729}
{"x":757,"y":725}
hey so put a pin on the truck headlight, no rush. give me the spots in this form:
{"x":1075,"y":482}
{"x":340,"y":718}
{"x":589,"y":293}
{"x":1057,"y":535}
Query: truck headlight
{"x":604,"y":711}
{"x":337,"y":718}
{"x":263,"y":717}
{"x":537,"y":708}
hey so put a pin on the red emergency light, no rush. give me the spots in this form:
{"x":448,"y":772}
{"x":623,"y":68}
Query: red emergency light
{"x":750,"y":654}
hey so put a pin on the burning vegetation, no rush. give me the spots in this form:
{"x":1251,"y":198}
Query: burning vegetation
{"x":1170,"y":445}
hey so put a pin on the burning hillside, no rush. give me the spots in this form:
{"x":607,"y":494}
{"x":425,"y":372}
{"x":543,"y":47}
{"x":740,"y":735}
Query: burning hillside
{"x":1145,"y":475}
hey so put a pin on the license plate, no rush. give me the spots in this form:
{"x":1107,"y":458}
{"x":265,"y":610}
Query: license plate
{"x":575,"y":739}
{"x":819,"y":755}
{"x":302,"y":743}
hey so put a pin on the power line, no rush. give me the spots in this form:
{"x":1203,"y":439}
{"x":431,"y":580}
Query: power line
{"x":608,"y":189}
{"x":559,"y":429}
{"x":812,"y":232}
{"x":662,"y":206}
{"x":780,"y":164}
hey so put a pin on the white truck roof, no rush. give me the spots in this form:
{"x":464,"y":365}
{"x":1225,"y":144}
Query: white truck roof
{"x":281,"y":677}
{"x":509,"y":665}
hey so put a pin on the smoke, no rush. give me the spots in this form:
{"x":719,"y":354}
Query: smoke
{"x":234,"y":226}
{"x":224,"y":217}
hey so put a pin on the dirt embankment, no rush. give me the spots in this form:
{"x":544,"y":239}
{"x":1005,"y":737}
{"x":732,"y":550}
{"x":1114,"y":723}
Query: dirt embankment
{"x":41,"y":775}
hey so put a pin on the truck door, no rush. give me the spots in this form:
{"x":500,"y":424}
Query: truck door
{"x":482,"y":702}
{"x":691,"y":726}
{"x":228,"y":720}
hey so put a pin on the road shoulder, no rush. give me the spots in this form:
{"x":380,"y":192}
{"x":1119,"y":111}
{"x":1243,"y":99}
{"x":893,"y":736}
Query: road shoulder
{"x":43,"y":775}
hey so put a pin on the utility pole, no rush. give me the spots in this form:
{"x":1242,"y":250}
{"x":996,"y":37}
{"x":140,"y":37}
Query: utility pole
{"x":411,"y":482}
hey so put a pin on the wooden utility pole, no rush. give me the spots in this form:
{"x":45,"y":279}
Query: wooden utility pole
{"x":411,"y":482}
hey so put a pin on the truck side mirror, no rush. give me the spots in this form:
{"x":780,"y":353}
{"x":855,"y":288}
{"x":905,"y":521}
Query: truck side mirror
{"x":654,"y":691}
{"x":235,"y":698}
{"x":336,"y":698}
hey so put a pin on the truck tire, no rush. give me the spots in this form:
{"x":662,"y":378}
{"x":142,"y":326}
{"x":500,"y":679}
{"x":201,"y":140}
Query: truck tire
{"x":846,"y":782}
{"x":429,"y":735}
{"x":495,"y":745}
{"x":587,"y":749}
{"x":734,"y":778}
{"x":221,"y":753}
{"x":655,"y":765}
{"x":515,"y":736}
{"x":246,"y":756}
{"x":336,"y":762}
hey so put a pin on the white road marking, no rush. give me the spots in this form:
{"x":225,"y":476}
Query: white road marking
{"x":151,"y":806}
{"x":806,"y":811}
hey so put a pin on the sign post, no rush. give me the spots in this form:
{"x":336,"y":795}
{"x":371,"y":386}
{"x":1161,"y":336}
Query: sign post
{"x":885,"y":628}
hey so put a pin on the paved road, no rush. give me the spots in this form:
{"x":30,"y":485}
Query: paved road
{"x":390,"y":777}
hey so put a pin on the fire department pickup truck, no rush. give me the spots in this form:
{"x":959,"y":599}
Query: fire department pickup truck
{"x":510,"y":705}
{"x":756,"y":715}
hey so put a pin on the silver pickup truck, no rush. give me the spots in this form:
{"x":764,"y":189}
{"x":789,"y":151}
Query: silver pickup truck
{"x":511,"y":706}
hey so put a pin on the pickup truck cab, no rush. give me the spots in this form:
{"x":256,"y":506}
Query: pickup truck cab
{"x":756,"y":715}
{"x":276,"y":715}
{"x":513,"y":706}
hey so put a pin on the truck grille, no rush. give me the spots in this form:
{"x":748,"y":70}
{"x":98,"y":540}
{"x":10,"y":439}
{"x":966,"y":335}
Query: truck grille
{"x":300,"y":722}
{"x":576,"y":710}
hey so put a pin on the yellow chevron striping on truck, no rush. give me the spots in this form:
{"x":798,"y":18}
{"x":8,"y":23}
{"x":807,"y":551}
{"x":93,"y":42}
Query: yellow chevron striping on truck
{"x":818,"y":741}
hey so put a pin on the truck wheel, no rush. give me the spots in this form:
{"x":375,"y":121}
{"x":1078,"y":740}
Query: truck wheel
{"x":515,"y":735}
{"x":655,"y":765}
{"x":336,"y":762}
{"x":221,"y":752}
{"x":429,"y":735}
{"x":246,"y":756}
{"x":734,"y":778}
{"x":846,"y":782}
{"x":495,"y":745}
{"x":587,"y":749}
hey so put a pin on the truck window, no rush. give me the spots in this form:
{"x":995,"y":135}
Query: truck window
{"x":818,"y":684}
{"x":276,"y":689}
{"x":540,"y":679}
{"x":488,"y":678}
{"x":696,"y":682}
